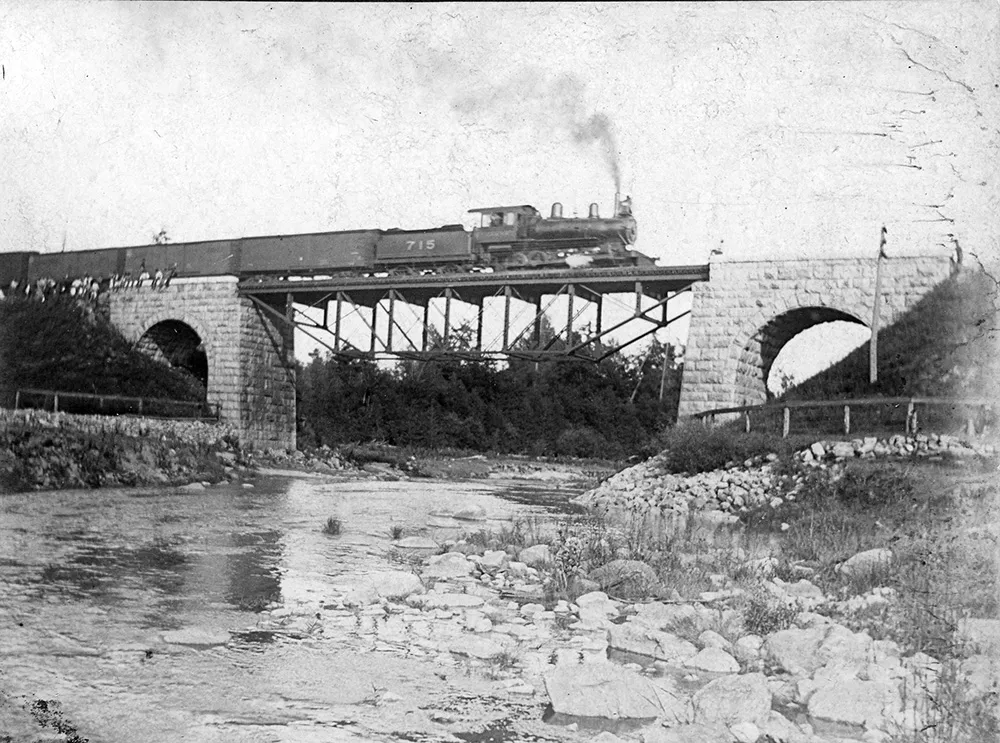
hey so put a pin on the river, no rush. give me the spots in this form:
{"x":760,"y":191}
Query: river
{"x":95,"y":582}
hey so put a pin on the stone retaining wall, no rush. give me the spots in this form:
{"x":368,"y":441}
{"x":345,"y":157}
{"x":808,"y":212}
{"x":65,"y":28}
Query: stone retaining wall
{"x":250,"y":352}
{"x":747,"y":311}
{"x":191,"y":432}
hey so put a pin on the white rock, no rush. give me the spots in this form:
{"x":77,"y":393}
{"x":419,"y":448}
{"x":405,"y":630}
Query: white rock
{"x":688,"y":734}
{"x":452,"y":601}
{"x":853,"y":702}
{"x":637,"y":638}
{"x":780,"y":728}
{"x":493,"y":561}
{"x":537,"y":556}
{"x":714,"y":660}
{"x":747,"y":648}
{"x":472,"y":513}
{"x":416,"y":543}
{"x":662,"y":616}
{"x":866,"y":562}
{"x":448,"y":565}
{"x":981,"y":634}
{"x":795,"y":651}
{"x":711,"y":639}
{"x":607,"y":690}
{"x":745,"y":732}
{"x":476,"y":647}
{"x":734,"y":699}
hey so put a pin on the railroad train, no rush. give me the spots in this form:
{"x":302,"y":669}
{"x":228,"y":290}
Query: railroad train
{"x":509,"y":238}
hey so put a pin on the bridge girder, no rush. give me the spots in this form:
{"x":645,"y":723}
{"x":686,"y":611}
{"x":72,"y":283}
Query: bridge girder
{"x":580,"y":289}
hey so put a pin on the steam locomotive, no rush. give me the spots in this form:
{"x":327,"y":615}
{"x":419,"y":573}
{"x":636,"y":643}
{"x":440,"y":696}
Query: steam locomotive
{"x":508,"y":238}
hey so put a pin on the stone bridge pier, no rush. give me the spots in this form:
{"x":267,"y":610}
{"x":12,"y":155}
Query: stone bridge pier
{"x":240,"y":352}
{"x":747,"y":311}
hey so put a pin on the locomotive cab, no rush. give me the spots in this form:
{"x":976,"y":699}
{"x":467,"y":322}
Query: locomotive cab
{"x":501,"y":227}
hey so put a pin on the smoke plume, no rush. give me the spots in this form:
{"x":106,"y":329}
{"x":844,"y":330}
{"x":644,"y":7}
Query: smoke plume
{"x":547,"y":105}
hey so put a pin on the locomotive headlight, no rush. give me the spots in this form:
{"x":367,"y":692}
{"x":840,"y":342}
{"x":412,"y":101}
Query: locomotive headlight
{"x":578,"y":260}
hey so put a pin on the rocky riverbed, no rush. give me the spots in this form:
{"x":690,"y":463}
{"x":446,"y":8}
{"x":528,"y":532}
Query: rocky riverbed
{"x":654,"y":671}
{"x":452,"y":640}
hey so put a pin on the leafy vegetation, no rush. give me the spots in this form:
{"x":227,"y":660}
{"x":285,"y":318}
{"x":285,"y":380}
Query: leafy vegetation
{"x":693,"y":447}
{"x":573,"y":408}
{"x":946,"y":346}
{"x":62,"y":345}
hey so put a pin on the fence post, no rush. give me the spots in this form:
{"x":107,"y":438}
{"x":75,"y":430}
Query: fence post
{"x":17,"y":399}
{"x":140,"y":406}
{"x":55,"y":402}
{"x":847,"y":420}
{"x":910,"y":413}
{"x":746,"y":416}
{"x":786,"y":422}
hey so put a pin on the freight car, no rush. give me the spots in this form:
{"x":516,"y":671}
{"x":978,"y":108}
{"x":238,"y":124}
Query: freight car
{"x":508,"y":238}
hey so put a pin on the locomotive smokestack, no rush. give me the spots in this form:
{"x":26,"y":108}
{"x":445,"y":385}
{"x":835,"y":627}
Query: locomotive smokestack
{"x":594,"y":212}
{"x":618,"y":202}
{"x":557,"y":210}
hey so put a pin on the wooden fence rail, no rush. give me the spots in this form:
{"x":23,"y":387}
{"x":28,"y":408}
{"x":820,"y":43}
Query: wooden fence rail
{"x":114,"y":404}
{"x":972,"y":409}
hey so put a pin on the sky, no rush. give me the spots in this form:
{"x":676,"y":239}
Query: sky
{"x":764,"y":130}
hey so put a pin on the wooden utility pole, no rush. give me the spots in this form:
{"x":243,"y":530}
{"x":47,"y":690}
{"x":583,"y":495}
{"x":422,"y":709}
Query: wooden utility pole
{"x":873,"y":344}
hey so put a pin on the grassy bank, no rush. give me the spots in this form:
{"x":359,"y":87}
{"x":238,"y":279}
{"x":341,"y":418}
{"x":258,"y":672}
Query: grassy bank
{"x":934,"y":519}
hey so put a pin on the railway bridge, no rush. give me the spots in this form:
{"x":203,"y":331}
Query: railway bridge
{"x":238,"y":335}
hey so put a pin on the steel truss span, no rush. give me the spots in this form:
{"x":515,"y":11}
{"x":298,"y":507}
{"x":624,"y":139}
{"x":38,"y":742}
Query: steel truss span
{"x":379,"y":302}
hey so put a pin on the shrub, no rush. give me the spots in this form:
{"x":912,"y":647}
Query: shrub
{"x":694,"y":447}
{"x":581,"y":442}
{"x":863,"y":485}
{"x":764,"y":614}
{"x":332,"y":526}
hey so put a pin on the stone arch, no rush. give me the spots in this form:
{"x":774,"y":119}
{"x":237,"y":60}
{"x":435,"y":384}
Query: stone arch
{"x":761,"y":339}
{"x":179,"y":341}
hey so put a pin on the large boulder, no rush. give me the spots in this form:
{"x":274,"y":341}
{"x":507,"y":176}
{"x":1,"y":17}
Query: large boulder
{"x":664,"y":616}
{"x":714,"y":660}
{"x":493,"y":561}
{"x":845,"y":649}
{"x":854,"y":702}
{"x":416,"y":543}
{"x":982,"y":634}
{"x":452,"y":601}
{"x":611,"y":691}
{"x":626,"y":579}
{"x":867,"y":562}
{"x":536,"y":556}
{"x":448,"y":565}
{"x":634,"y":637}
{"x":734,"y":699}
{"x":476,"y":646}
{"x":795,"y":651}
{"x":360,"y":589}
{"x":688,"y":734}
{"x":471,"y":513}
{"x":595,"y":609}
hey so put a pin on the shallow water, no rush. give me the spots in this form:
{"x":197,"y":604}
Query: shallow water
{"x":92,"y":580}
